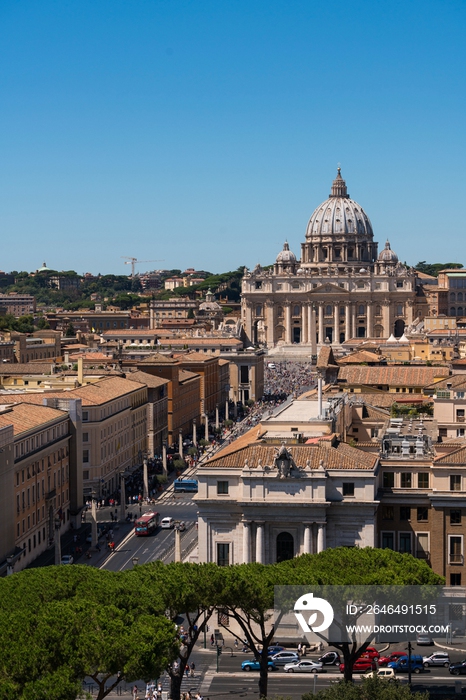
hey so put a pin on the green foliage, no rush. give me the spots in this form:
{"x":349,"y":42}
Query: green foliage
{"x":70,"y":331}
{"x":204,"y":443}
{"x":411,"y":409}
{"x":369,"y":689}
{"x":192,"y":451}
{"x":179,"y":463}
{"x":434,"y":268}
{"x":23,"y":324}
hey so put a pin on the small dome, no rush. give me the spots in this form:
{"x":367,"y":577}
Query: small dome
{"x":286,"y":256}
{"x":387,"y":254}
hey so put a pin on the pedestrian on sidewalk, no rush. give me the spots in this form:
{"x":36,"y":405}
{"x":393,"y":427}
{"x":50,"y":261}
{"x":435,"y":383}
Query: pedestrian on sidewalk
{"x":193,"y":668}
{"x":187,"y":670}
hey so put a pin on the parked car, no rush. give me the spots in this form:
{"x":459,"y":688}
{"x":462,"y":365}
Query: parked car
{"x":167,"y":523}
{"x":458,"y":668}
{"x":424,"y":640}
{"x":303,"y":667}
{"x":67,"y":559}
{"x":371,"y":653}
{"x":331,"y":658}
{"x":438,"y":658}
{"x":271,"y":651}
{"x":253,"y":665}
{"x":387,"y":673}
{"x":417,"y":664}
{"x":394,"y":656}
{"x":285,"y":657}
{"x":361,"y":664}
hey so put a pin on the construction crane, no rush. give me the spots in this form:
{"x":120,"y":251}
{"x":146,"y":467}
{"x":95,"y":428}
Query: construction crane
{"x":134,"y":261}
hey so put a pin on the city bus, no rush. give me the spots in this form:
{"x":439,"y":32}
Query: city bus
{"x":181,"y":485}
{"x":146,"y":524}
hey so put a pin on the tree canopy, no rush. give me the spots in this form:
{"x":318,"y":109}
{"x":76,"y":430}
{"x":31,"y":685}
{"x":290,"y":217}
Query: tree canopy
{"x":434,"y":268}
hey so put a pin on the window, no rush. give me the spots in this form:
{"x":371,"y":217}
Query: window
{"x":361,"y":310}
{"x":423,"y":480}
{"x":388,"y":480}
{"x":244,"y":372}
{"x":85,"y":437}
{"x":328,"y":310}
{"x":455,"y":517}
{"x":405,"y":480}
{"x":387,"y":512}
{"x":405,"y":542}
{"x":455,"y":579}
{"x":223,"y":554}
{"x":422,"y":514}
{"x":422,"y":547}
{"x":348,"y":488}
{"x":405,"y":513}
{"x":455,"y":482}
{"x":85,"y":415}
{"x":86,"y":475}
{"x":387,"y":540}
{"x":222,"y":487}
{"x":85,"y":456}
{"x":399,"y":285}
{"x":460,"y":432}
{"x":259,"y":310}
{"x":455,"y":549}
{"x":399,"y":309}
{"x":378,"y":310}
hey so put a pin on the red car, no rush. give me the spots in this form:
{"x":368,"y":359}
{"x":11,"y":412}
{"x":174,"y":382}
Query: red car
{"x":361,"y":664}
{"x":371,"y":653}
{"x":394,"y":656}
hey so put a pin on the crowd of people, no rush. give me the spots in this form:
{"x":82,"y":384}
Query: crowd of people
{"x":283,"y":379}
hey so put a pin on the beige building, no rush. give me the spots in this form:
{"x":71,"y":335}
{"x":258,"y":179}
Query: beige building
{"x":246,"y":375}
{"x":17,"y":304}
{"x":40,"y":488}
{"x":341,"y":288}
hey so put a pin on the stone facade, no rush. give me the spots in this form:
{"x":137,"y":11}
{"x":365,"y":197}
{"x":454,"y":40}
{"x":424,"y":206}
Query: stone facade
{"x":340,"y":289}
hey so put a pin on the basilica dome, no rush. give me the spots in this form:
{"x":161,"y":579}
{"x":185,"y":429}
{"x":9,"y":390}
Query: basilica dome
{"x":286,"y":256}
{"x":339,"y":214}
{"x":387,"y":255}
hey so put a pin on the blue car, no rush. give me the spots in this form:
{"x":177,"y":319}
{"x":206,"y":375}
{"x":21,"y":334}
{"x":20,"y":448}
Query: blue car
{"x":254,"y":665}
{"x":417,"y":664}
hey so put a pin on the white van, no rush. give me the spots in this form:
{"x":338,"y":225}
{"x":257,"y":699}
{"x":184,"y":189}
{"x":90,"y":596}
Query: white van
{"x":167,"y":523}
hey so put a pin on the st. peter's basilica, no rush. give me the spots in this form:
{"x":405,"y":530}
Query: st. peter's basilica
{"x":342,"y":287}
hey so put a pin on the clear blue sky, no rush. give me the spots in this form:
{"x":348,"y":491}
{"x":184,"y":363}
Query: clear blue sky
{"x":204,"y":133}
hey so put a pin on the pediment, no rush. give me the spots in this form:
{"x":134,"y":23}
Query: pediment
{"x":330,"y":288}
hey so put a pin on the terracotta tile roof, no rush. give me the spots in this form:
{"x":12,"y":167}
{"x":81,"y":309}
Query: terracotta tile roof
{"x":456,"y":380}
{"x":185,"y":375}
{"x":90,"y":357}
{"x":145,"y":378}
{"x":95,"y":394}
{"x":358,"y":357}
{"x":458,"y":456}
{"x":157,"y":358}
{"x":413,"y":376}
{"x":340,"y":457}
{"x":385,"y":399}
{"x":24,"y":417}
{"x":325,"y":358}
{"x":7,"y":369}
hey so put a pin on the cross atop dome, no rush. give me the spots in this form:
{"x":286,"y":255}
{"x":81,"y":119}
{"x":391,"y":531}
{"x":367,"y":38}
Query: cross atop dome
{"x":339,"y":186}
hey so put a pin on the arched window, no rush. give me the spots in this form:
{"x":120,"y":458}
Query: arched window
{"x":361,"y":310}
{"x":328,"y":310}
{"x":378,"y":311}
{"x":324,"y":250}
{"x":399,"y":309}
{"x":285,"y":546}
{"x":452,"y":296}
{"x":452,"y":311}
{"x":459,"y":296}
{"x":350,"y":253}
{"x":259,"y":310}
{"x":296,"y":310}
{"x":459,"y":311}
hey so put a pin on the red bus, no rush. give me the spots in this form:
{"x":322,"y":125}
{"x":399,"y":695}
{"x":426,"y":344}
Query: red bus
{"x":146,"y":524}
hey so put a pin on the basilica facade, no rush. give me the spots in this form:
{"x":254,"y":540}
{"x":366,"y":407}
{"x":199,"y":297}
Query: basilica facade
{"x":341,"y":288}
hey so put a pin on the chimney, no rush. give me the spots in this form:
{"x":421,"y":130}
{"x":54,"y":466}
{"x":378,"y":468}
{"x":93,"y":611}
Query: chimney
{"x":80,"y":371}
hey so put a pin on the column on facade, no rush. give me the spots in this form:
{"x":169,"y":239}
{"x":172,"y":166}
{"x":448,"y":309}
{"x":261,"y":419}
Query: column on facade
{"x":321,"y":324}
{"x":353,"y":320}
{"x":387,"y":329}
{"x":248,"y":319}
{"x":270,"y":324}
{"x":321,"y":537}
{"x":288,"y":323}
{"x":336,"y":323}
{"x":409,"y":312}
{"x":260,"y":543}
{"x":347,"y":321}
{"x":370,"y":321}
{"x":312,"y":329}
{"x":307,"y":538}
{"x":246,"y":542}
{"x":304,"y":328}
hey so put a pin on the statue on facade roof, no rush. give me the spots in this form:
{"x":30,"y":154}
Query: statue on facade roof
{"x":283,"y":461}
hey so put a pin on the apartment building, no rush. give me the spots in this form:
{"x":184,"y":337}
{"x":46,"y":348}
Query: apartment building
{"x":157,"y":409}
{"x":449,"y":398}
{"x":17,"y":304}
{"x":38,"y":485}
